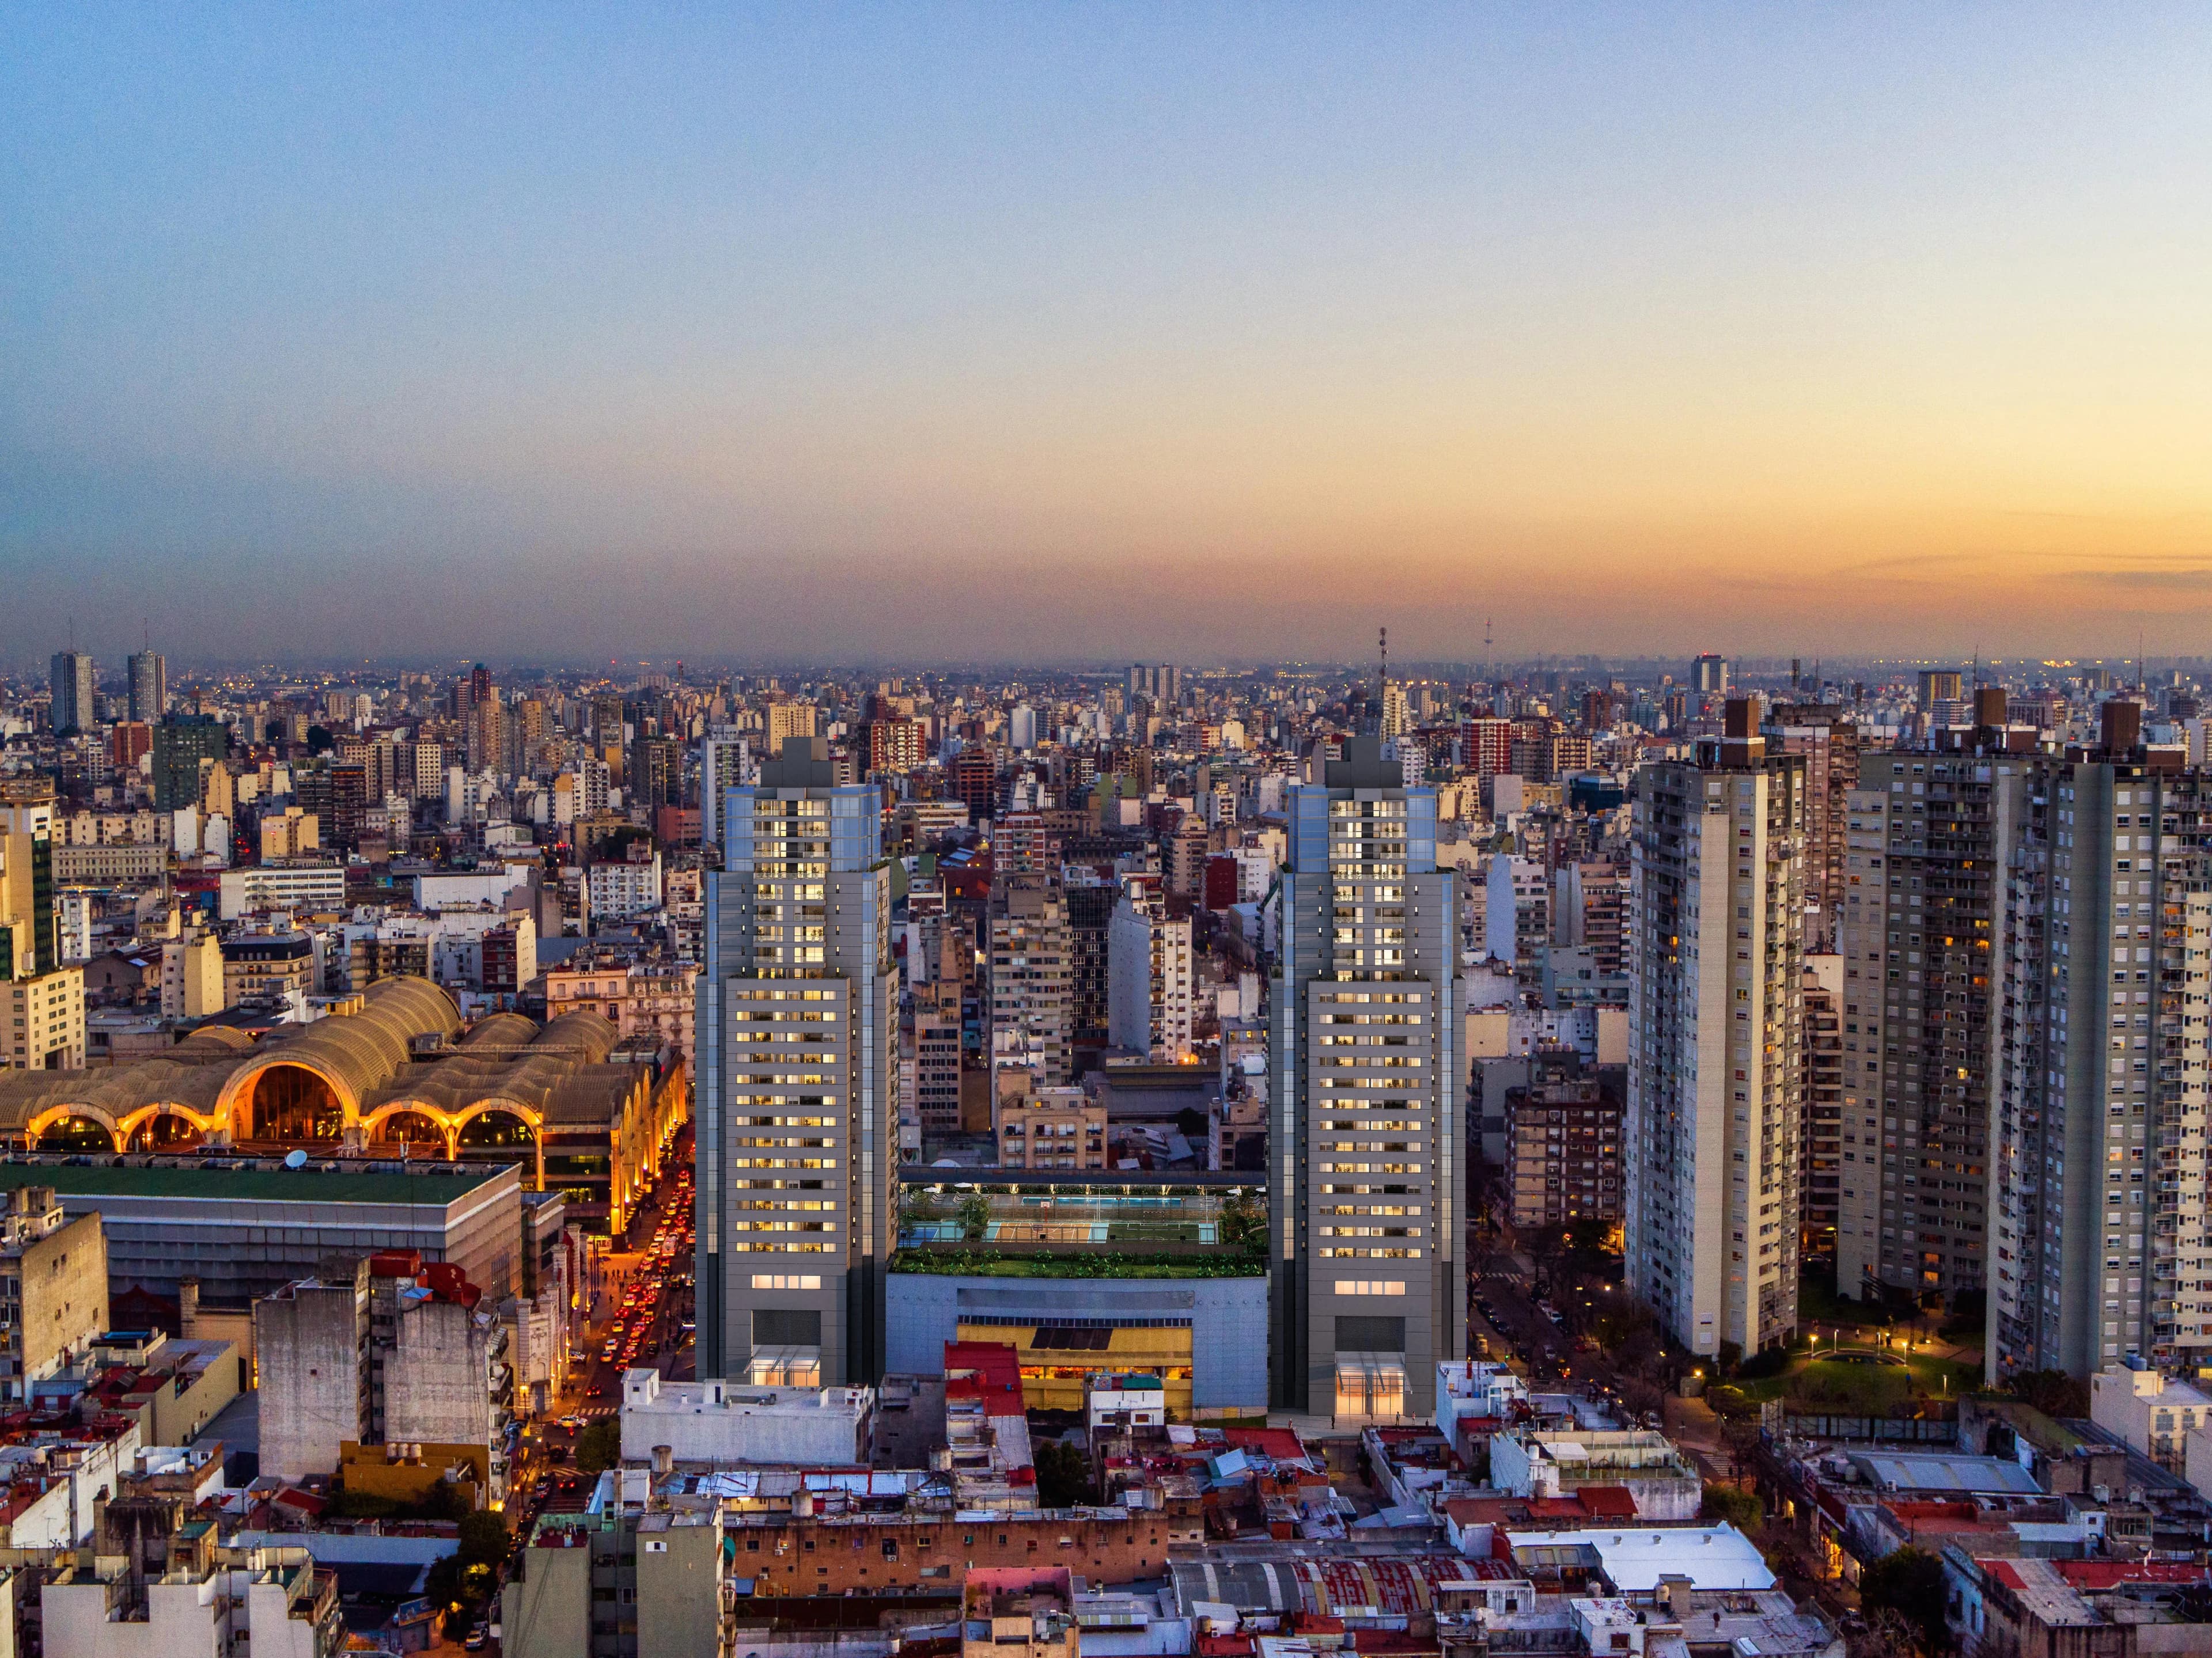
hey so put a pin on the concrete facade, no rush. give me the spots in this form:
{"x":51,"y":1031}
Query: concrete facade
{"x":1368,"y":1247}
{"x":245,"y":1233}
{"x":798,"y":1076}
{"x":312,"y":1338}
{"x":1226,"y":1317}
{"x":1715,"y":1074}
{"x":722,"y":1421}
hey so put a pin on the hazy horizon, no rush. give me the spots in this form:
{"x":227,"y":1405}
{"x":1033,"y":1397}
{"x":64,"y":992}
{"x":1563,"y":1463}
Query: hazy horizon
{"x":955,"y":334}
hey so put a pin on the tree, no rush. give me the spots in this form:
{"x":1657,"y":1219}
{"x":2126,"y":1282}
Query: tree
{"x":974,"y":1217}
{"x":319,"y":740}
{"x":598,"y":1448}
{"x":1740,"y":1509}
{"x":1909,"y":1581}
{"x":1885,"y":1635}
{"x":484,"y":1539}
{"x":2054,"y":1393}
{"x":1063,"y":1474}
{"x":1245,"y":1225}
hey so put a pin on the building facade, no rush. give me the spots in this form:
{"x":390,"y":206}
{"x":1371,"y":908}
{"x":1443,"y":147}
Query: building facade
{"x":1931,"y":835}
{"x":798,"y":1107}
{"x":2099,"y":1250}
{"x":1715,"y":1066}
{"x":1366,"y":1276}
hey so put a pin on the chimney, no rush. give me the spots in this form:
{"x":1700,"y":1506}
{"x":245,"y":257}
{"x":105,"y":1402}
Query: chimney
{"x":188,"y":1308}
{"x":1989,"y":706}
{"x":2122,"y":725}
{"x":663,"y":1459}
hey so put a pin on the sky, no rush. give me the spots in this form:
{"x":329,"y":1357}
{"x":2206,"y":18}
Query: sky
{"x":1090,"y":333}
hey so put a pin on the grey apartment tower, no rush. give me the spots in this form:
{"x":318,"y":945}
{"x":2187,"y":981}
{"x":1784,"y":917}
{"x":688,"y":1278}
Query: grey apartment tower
{"x":1368,"y":1282}
{"x":798,"y":1083}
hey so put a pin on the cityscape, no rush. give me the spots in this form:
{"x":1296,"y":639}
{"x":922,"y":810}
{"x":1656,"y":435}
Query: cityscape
{"x":1113,"y":834}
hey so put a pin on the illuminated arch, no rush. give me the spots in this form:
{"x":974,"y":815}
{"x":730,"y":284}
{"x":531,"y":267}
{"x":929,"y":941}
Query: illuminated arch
{"x":145,"y":1118}
{"x":79,"y":1111}
{"x":352,"y":1055}
{"x":328,"y":1095}
{"x":529,"y":1116}
{"x":437,"y":1131}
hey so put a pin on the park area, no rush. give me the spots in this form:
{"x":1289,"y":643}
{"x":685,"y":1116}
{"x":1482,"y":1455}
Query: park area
{"x":1853,"y":1360}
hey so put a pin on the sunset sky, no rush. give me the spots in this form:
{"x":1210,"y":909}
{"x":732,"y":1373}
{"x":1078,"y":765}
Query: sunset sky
{"x":1059,"y":331}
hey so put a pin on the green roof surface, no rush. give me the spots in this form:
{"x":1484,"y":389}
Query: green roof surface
{"x":249,"y":1185}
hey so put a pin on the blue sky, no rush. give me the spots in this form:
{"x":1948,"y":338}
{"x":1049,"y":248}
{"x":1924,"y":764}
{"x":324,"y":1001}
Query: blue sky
{"x":1103,"y":331}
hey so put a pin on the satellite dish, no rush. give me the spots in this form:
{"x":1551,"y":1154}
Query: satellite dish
{"x":295,"y":1159}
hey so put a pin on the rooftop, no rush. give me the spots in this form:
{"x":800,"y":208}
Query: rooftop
{"x":440,"y":1184}
{"x":1710,"y":1557}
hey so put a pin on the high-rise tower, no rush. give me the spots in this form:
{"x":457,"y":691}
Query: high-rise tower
{"x":1715,"y":1031}
{"x":798,"y":1086}
{"x":74,"y":687}
{"x":2099,"y":1249}
{"x":1368,"y":1284}
{"x":150,"y":686}
{"x":1932,"y":832}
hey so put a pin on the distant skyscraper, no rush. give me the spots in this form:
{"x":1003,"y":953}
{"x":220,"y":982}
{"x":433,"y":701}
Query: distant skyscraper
{"x":150,"y":686}
{"x":1709,"y":675}
{"x":75,"y":692}
{"x":1397,"y":713}
{"x":1367,"y":1283}
{"x":798,"y":1086}
{"x":1715,"y":1060}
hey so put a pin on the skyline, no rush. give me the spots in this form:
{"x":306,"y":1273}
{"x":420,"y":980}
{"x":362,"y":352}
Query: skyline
{"x":1018,"y":339}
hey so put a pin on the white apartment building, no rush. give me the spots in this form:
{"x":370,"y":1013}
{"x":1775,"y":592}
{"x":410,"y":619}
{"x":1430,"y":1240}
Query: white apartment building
{"x":618,"y":891}
{"x":1714,"y":1073}
{"x":1150,"y":975}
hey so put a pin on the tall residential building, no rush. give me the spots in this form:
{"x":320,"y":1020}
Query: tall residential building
{"x":1826,"y":736}
{"x":1486,"y":746}
{"x":787,"y":720}
{"x":1931,"y":835}
{"x":1031,"y":1010}
{"x":1591,"y":911}
{"x":1715,"y":1036}
{"x":1092,"y":902}
{"x":1368,"y":1286}
{"x":41,"y":1000}
{"x":75,"y":692}
{"x":1819,"y":1157}
{"x":656,"y":771}
{"x":150,"y":686}
{"x":937,"y":1066}
{"x":1397,"y":716}
{"x":798,"y":1084}
{"x":725,"y":762}
{"x":179,"y":746}
{"x":1163,"y":685}
{"x":2099,"y":1248}
{"x":1150,"y":979}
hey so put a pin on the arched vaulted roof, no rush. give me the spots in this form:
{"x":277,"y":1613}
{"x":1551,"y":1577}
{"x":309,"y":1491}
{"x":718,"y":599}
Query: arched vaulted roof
{"x":504,"y":1062}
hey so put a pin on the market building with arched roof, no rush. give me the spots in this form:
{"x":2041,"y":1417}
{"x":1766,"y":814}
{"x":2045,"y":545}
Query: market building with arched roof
{"x":394,"y":1075}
